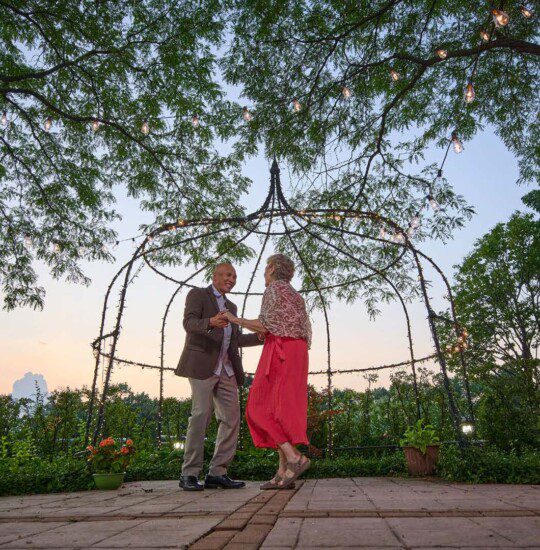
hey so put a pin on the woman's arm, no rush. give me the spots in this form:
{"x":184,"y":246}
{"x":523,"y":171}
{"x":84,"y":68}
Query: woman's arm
{"x":251,"y":324}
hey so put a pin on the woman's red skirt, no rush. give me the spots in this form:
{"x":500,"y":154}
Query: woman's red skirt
{"x":276,"y":409}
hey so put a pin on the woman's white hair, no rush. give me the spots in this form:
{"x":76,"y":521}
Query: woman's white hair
{"x":283,"y":267}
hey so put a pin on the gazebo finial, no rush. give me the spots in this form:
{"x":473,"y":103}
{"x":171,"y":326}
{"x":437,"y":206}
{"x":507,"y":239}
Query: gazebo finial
{"x":275,"y":167}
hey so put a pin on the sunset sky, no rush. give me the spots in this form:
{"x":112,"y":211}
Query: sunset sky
{"x":55,"y":342}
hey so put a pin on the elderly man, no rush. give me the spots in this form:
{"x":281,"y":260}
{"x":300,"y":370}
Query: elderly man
{"x":212,"y":364}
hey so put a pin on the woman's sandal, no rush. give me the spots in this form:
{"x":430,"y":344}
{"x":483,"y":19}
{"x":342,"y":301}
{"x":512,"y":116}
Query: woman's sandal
{"x":297,"y":468}
{"x":273,"y":484}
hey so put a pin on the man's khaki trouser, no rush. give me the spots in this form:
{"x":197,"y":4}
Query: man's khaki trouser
{"x":219,"y":393}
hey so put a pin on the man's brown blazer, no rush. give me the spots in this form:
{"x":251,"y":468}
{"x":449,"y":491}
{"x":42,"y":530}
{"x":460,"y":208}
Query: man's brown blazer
{"x":203,"y":343}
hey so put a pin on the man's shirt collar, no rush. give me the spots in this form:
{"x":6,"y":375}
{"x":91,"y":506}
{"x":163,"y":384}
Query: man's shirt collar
{"x":217,"y":293}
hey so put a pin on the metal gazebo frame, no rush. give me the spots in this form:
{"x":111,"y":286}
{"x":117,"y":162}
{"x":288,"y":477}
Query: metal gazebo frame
{"x":277,"y":207}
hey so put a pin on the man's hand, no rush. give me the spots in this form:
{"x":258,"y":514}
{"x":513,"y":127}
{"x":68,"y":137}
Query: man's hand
{"x":261,"y":336}
{"x":219,"y":320}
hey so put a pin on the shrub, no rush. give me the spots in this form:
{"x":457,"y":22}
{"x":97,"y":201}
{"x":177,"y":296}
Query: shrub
{"x":489,"y":465}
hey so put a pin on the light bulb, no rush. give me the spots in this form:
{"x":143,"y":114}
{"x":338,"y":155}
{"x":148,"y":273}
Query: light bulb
{"x":434,"y":204}
{"x":104,"y":249}
{"x":28,"y":242}
{"x":4,"y":118}
{"x":56,"y":247}
{"x":467,"y":428}
{"x":410,"y":232}
{"x":297,"y":106}
{"x":195,"y":121}
{"x":48,"y":124}
{"x":469,"y":93}
{"x":394,"y":75}
{"x":484,"y":35}
{"x":443,"y":54}
{"x":145,"y":128}
{"x":246,"y":114}
{"x":81,"y":251}
{"x":346,"y":92}
{"x":458,"y":146}
{"x":526,"y":12}
{"x":415,"y":222}
{"x":382,"y":233}
{"x":500,"y":18}
{"x":95,"y":125}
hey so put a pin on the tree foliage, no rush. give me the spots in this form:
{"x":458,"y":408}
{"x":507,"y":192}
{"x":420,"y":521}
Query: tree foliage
{"x":497,"y":296}
{"x":112,"y":66}
{"x":497,"y":292}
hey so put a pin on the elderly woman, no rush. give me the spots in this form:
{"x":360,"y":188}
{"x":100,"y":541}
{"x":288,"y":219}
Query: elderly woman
{"x":276,"y":410}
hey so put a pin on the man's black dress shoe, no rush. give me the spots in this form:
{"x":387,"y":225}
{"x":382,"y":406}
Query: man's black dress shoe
{"x":190,"y":483}
{"x":222,"y":482}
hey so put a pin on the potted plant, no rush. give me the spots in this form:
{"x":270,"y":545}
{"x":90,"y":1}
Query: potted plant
{"x":109,"y":463}
{"x":421,"y":448}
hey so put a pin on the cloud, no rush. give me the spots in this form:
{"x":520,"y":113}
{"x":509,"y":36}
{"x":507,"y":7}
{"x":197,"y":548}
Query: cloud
{"x":26,"y":386}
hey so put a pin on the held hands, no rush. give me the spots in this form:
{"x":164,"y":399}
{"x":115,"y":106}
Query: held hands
{"x":220,"y":320}
{"x":230,"y":317}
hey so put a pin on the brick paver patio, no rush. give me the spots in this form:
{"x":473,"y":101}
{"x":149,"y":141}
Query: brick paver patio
{"x":325,"y":513}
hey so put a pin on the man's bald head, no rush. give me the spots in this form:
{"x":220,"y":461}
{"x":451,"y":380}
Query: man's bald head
{"x":224,"y":277}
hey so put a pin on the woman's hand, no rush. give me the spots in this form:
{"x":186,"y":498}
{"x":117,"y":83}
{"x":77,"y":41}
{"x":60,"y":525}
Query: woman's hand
{"x":231,"y":318}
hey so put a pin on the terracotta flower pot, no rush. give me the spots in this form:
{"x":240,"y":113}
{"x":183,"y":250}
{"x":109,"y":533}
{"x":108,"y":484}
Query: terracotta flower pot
{"x":109,"y":481}
{"x":420,"y":464}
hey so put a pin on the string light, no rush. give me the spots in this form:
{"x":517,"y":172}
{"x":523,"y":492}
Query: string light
{"x":95,"y":125}
{"x":394,"y":75}
{"x":526,"y":12}
{"x":484,"y":35}
{"x":346,"y":92}
{"x":469,"y":93}
{"x":398,"y":237}
{"x":458,"y":146}
{"x":145,"y":128}
{"x":443,"y":54}
{"x":297,"y":106}
{"x":56,"y":247}
{"x":500,"y":18}
{"x":195,"y":121}
{"x":81,"y":251}
{"x":467,"y":428}
{"x":28,"y":242}
{"x":460,"y":344}
{"x":411,"y":232}
{"x":48,"y":124}
{"x":433,"y":203}
{"x":246,"y":114}
{"x":4,"y":118}
{"x":415,"y":222}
